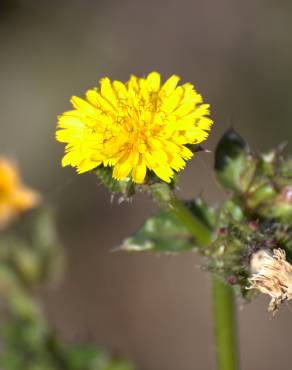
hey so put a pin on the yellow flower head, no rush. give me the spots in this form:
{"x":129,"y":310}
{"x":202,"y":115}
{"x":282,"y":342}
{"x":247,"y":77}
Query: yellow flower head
{"x":136,"y":126}
{"x":14,"y":196}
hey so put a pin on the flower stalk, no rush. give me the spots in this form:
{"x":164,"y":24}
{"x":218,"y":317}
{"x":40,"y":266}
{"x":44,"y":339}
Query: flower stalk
{"x":224,"y":317}
{"x":225,"y":326}
{"x":196,"y":227}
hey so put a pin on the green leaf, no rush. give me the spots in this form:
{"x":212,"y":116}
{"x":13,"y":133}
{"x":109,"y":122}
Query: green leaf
{"x":160,"y":233}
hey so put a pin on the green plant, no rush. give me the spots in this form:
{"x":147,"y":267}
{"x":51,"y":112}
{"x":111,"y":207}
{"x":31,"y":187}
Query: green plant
{"x":30,"y":257}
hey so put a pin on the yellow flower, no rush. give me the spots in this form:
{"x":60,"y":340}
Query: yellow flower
{"x":14,"y":196}
{"x":136,"y":126}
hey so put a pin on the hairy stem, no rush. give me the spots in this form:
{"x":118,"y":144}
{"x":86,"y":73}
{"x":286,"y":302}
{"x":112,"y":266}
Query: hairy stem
{"x":223,"y":299}
{"x":200,"y":232}
{"x":225,"y":327}
{"x":167,"y":199}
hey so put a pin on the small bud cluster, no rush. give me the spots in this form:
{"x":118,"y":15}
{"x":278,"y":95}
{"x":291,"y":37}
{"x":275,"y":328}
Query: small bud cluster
{"x":256,"y":221}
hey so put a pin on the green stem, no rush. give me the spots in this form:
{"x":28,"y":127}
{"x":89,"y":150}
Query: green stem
{"x":224,"y":308}
{"x":166,"y":198}
{"x":200,"y":232}
{"x":225,"y":326}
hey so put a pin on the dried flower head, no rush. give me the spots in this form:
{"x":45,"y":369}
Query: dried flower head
{"x":272,"y":275}
{"x":14,"y":196}
{"x":136,"y":126}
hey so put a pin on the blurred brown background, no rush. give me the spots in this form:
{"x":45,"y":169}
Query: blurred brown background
{"x":155,"y":310}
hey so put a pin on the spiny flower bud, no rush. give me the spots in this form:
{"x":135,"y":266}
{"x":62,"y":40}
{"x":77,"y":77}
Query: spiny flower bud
{"x":272,"y":275}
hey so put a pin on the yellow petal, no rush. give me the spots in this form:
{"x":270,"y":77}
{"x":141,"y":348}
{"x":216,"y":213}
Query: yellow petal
{"x":87,"y":165}
{"x":102,"y":105}
{"x":150,"y":161}
{"x":164,"y":172}
{"x":139,"y":171}
{"x":120,"y":89}
{"x":66,"y":121}
{"x":153,"y":81}
{"x":84,"y":106}
{"x":171,"y":102}
{"x":125,"y":165}
{"x":177,"y":163}
{"x":170,"y":85}
{"x":186,"y":153}
{"x":160,"y":156}
{"x":107,"y":91}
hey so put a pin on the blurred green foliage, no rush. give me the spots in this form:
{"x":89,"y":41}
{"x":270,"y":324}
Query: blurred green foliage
{"x":30,"y":256}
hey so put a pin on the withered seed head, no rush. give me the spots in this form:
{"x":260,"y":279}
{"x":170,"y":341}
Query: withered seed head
{"x":272,"y":275}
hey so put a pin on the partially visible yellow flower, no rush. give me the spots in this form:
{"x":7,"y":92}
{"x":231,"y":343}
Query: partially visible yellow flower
{"x":136,"y":126}
{"x":14,"y":196}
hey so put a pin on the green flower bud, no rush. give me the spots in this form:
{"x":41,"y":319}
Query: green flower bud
{"x":260,"y":194}
{"x":283,"y":204}
{"x":125,"y":187}
{"x":233,"y":164}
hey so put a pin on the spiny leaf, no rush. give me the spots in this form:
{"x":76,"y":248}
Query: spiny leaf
{"x":160,"y":233}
